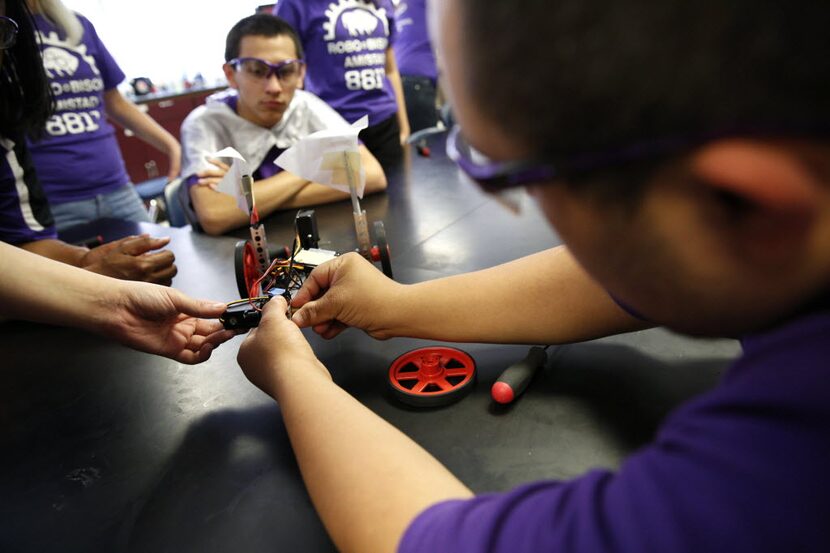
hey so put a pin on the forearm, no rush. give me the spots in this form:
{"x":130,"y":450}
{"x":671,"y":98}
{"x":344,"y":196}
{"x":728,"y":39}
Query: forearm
{"x":394,"y":77}
{"x":219,"y":213}
{"x":37,"y":289}
{"x":58,"y":251}
{"x":287,"y":191}
{"x":352,"y":462}
{"x":127,"y":114}
{"x":375,"y":177}
{"x":545,"y":298}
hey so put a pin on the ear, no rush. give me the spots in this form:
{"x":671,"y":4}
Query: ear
{"x":230,"y":75}
{"x":767,"y":189}
{"x":301,"y":82}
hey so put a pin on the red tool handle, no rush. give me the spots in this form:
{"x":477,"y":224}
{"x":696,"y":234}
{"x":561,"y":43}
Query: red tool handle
{"x":516,"y":377}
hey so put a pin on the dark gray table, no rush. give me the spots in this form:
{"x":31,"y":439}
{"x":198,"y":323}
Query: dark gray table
{"x":107,"y":449}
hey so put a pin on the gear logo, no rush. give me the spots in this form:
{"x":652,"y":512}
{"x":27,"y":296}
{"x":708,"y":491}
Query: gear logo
{"x":57,"y":61}
{"x":359,"y":18}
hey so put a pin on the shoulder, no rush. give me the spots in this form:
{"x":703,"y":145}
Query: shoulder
{"x":320,"y":114}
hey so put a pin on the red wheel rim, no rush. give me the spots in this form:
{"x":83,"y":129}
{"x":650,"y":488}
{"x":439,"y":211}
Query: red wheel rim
{"x":432,"y":376}
{"x":250,"y":266}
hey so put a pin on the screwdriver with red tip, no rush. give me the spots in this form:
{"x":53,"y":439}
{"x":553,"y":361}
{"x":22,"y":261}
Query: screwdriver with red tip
{"x":517,"y":376}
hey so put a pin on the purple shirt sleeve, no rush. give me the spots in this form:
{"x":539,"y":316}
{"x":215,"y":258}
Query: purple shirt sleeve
{"x":741,"y":469}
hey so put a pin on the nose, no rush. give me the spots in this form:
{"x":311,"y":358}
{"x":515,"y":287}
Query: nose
{"x":272,"y":84}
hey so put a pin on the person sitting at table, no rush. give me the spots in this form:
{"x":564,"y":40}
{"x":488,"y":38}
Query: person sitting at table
{"x":25,"y":217}
{"x":143,"y":316}
{"x":77,"y":158}
{"x":263,"y":114}
{"x":681,"y":152}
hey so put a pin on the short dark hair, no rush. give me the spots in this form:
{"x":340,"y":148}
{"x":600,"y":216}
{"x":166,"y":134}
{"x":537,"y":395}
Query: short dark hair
{"x":593,"y":76}
{"x":261,"y":24}
{"x":26,"y":100}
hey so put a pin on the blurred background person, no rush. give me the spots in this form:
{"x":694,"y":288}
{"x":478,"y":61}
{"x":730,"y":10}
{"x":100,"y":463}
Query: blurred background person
{"x":78,"y":159}
{"x":352,"y":67}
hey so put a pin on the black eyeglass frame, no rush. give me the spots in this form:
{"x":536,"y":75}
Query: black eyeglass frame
{"x":8,"y":32}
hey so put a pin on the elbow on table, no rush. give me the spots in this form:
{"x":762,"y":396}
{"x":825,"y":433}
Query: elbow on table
{"x":214,"y":221}
{"x":215,"y":224}
{"x":375,"y":181}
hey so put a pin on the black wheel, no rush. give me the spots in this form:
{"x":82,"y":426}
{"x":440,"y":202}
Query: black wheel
{"x":383,"y":248}
{"x":245,"y":266}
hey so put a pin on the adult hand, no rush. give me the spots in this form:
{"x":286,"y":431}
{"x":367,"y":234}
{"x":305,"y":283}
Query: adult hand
{"x":163,"y":321}
{"x":346,"y":291}
{"x":404,"y":136}
{"x":274,"y":347}
{"x":128,"y":259}
{"x":212,"y":177}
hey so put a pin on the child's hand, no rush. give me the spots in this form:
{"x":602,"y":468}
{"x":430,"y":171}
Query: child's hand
{"x":277,"y":350}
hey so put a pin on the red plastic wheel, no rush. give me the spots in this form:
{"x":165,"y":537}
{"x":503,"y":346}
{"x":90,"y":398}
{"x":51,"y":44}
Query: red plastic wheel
{"x":247,"y":267}
{"x":432,"y":376}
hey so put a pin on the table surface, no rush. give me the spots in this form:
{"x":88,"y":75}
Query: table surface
{"x":108,"y":449}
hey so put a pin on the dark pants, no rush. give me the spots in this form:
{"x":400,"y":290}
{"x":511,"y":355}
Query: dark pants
{"x":419,"y":93}
{"x":384,"y":141}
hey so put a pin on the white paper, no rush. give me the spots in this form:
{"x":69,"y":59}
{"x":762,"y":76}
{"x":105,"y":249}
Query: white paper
{"x":231,"y":182}
{"x":327,"y":156}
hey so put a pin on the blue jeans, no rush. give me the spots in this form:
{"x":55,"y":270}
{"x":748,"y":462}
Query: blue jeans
{"x":122,"y":203}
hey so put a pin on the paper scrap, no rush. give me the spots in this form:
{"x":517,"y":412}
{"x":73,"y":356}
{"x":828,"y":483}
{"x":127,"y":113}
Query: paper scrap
{"x":231,"y":182}
{"x":330,"y":157}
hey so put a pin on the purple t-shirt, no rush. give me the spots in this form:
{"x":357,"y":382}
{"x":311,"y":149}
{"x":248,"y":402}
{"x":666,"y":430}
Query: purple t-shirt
{"x":413,"y":50}
{"x":345,"y":50}
{"x":79,"y":156}
{"x":744,"y":468}
{"x":24,"y":211}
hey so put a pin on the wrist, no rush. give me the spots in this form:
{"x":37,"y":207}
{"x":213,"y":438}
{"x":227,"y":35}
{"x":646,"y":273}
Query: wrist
{"x":294,"y":374}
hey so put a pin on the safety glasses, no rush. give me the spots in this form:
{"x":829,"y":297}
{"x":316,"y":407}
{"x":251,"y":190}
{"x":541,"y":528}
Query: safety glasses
{"x":287,"y":72}
{"x":8,"y":32}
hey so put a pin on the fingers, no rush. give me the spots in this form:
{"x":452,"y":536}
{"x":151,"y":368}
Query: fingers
{"x":202,"y":309}
{"x":317,"y":282}
{"x":274,"y":312}
{"x":224,"y":167}
{"x":141,"y":244}
{"x":164,"y":275}
{"x":194,"y":357}
{"x":329,"y":329}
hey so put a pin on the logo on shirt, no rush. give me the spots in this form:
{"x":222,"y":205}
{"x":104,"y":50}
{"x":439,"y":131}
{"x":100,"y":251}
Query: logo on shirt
{"x":359,"y":31}
{"x":359,"y":17}
{"x":63,"y":58}
{"x":77,"y":91}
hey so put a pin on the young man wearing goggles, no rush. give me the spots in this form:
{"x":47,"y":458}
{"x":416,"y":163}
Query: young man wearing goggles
{"x":265,"y":113}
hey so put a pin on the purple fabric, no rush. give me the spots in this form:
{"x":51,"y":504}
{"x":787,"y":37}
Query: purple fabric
{"x":79,"y":156}
{"x":24,"y":211}
{"x":268,"y":168}
{"x":413,"y":50}
{"x":741,"y":469}
{"x":345,"y":51}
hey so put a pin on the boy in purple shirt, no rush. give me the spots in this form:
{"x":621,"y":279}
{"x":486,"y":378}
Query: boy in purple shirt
{"x":352,"y":67}
{"x":681,"y":152}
